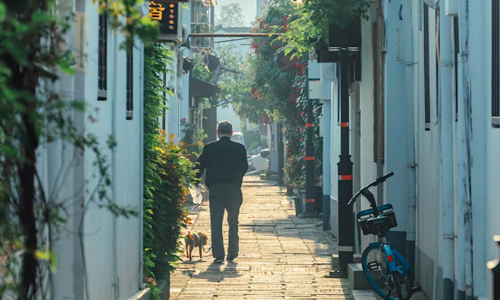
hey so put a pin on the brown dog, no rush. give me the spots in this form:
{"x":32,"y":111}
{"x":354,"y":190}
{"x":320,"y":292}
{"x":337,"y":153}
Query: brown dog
{"x":194,"y":240}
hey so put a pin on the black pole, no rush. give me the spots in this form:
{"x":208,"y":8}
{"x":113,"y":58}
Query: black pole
{"x":281,"y":156}
{"x":345,"y":217}
{"x":310,"y":186}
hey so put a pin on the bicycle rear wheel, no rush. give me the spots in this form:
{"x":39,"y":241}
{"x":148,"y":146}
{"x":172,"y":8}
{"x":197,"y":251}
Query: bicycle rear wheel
{"x":382,"y":281}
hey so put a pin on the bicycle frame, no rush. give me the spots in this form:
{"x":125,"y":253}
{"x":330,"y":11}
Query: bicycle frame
{"x":391,"y":257}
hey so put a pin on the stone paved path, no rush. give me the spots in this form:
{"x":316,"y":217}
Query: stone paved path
{"x":281,"y":256}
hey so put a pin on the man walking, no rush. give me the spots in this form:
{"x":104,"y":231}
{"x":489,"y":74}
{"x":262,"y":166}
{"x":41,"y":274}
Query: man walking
{"x":226,"y":163}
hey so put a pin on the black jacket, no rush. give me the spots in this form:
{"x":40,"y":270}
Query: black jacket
{"x":225,"y":162}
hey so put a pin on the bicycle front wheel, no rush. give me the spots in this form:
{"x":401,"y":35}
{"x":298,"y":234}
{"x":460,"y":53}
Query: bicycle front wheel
{"x":382,"y":281}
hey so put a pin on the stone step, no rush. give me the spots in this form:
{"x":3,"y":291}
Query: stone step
{"x":357,"y":279}
{"x":364,"y":295}
{"x":335,"y":260}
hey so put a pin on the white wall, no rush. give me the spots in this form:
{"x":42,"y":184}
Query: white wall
{"x":112,"y":246}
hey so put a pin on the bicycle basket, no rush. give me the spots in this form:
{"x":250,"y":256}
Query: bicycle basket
{"x":371,"y":225}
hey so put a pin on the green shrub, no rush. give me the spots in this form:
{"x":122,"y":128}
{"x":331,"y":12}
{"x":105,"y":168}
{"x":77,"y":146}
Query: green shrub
{"x":167,"y":176}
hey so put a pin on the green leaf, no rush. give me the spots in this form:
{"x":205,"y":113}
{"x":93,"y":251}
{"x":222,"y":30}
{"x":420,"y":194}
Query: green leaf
{"x":65,"y":67}
{"x":3,"y":12}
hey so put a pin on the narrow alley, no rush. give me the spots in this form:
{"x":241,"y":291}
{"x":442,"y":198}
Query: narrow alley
{"x":281,"y":256}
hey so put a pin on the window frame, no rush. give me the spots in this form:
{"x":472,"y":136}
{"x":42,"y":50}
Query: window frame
{"x":102,"y":64}
{"x":130,"y":86}
{"x":495,"y":72}
{"x":427,"y":67}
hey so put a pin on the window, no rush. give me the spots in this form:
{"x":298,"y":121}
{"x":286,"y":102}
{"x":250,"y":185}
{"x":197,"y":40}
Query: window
{"x":495,"y":88}
{"x":130,"y":86}
{"x":457,"y":51}
{"x":427,"y":87}
{"x":379,"y":52}
{"x":102,"y":73}
{"x":438,"y":54}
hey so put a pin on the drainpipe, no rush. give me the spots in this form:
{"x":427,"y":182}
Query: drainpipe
{"x":448,"y":238}
{"x":380,"y":166}
{"x":463,"y":200}
{"x":141,"y":170}
{"x":116,"y":278}
{"x":411,"y":173}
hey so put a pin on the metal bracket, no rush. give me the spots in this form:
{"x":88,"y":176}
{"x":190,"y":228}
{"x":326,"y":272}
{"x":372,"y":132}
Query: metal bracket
{"x":413,"y":165}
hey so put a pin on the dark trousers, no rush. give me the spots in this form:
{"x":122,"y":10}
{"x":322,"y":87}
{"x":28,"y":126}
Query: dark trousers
{"x":225,"y":197}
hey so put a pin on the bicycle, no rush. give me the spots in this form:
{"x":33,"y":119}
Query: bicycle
{"x":387,"y":270}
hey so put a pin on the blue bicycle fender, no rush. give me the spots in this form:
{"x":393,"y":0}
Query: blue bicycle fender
{"x":376,"y":244}
{"x":391,"y":264}
{"x":401,"y":260}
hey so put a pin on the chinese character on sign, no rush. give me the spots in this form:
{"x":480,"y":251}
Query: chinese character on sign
{"x":156,"y":11}
{"x":166,"y":15}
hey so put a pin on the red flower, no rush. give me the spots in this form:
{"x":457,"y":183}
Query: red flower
{"x":301,"y":73}
{"x":297,"y":65}
{"x":285,"y":18}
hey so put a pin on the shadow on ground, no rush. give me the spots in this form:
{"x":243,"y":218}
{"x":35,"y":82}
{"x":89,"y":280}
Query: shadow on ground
{"x":215,"y":272}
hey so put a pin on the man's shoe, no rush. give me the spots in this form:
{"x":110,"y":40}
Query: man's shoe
{"x":231,"y":258}
{"x":219,"y":260}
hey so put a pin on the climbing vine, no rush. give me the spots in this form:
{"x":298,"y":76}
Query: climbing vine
{"x":167,"y":176}
{"x":309,"y":23}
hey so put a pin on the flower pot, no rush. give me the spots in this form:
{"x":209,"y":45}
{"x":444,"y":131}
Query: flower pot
{"x":298,"y":205}
{"x":303,"y":198}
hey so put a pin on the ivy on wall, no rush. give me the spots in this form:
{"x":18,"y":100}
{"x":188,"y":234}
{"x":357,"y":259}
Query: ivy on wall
{"x":167,"y":176}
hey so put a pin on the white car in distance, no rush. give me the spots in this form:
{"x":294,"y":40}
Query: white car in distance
{"x":258,"y":164}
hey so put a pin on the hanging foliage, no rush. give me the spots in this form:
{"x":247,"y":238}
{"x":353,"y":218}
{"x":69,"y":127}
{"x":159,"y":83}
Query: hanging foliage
{"x":310,"y":21}
{"x":167,"y":176}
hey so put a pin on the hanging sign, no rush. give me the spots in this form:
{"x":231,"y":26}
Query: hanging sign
{"x":167,"y":15}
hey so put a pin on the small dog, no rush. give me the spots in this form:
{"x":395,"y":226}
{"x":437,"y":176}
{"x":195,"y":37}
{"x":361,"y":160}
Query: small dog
{"x":194,"y":240}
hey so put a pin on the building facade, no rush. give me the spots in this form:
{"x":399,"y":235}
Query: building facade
{"x":426,"y":107}
{"x":99,"y":254}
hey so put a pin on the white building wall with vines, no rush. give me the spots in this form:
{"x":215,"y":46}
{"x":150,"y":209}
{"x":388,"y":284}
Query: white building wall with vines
{"x":110,"y":265}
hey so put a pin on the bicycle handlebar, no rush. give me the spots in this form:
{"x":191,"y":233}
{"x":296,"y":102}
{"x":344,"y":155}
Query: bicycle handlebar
{"x":378,"y":181}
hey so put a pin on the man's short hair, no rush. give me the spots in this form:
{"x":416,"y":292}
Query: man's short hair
{"x":225,"y":127}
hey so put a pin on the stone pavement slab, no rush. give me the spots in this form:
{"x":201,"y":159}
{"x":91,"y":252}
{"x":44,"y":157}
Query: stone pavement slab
{"x":281,"y":256}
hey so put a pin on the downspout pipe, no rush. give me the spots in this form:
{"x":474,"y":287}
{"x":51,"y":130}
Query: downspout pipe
{"x":410,"y":133}
{"x":116,"y":51}
{"x":380,"y":166}
{"x":463,"y":249}
{"x":447,"y":194}
{"x":141,"y":170}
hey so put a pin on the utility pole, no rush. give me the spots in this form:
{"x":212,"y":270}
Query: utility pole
{"x":346,"y":225}
{"x":310,"y":159}
{"x":343,"y":41}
